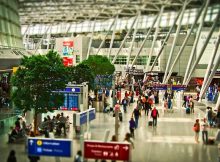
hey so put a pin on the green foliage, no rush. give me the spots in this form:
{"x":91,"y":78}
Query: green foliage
{"x":100,"y":65}
{"x":81,"y":73}
{"x":35,"y":80}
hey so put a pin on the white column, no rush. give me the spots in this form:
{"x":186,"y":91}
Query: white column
{"x":113,"y":37}
{"x":106,"y":35}
{"x":90,"y":41}
{"x":196,"y":41}
{"x":155,"y":38}
{"x":123,"y":42}
{"x":203,"y":48}
{"x":208,"y":70}
{"x":133,"y":39}
{"x":174,"y":41}
{"x":165,"y":41}
{"x":145,"y":39}
{"x":183,"y":45}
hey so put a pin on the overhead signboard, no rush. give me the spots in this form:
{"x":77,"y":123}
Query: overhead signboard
{"x":160,"y":86}
{"x":178,"y":87}
{"x":107,"y":150}
{"x":49,"y":147}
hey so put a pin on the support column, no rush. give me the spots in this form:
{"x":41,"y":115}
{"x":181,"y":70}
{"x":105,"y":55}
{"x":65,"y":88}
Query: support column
{"x":218,"y":103}
{"x":165,"y":41}
{"x":196,"y":41}
{"x":155,"y":38}
{"x":203,"y":48}
{"x":174,"y":41}
{"x":113,"y":37}
{"x":90,"y":41}
{"x":144,"y":41}
{"x":39,"y":43}
{"x":133,"y":40}
{"x":208,"y":70}
{"x":183,"y":45}
{"x":123,"y":42}
{"x":106,"y":36}
{"x":206,"y":86}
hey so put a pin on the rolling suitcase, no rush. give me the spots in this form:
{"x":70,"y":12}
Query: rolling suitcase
{"x":120,"y":117}
{"x":150,"y":123}
{"x":187,"y":110}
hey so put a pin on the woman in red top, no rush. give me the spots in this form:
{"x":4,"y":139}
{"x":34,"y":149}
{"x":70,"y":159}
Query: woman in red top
{"x":196,"y":129}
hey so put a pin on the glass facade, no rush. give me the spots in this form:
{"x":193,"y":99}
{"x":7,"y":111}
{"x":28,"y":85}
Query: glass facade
{"x":141,"y":60}
{"x":10,"y":30}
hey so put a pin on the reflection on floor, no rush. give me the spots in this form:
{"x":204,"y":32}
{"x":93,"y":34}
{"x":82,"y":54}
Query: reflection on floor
{"x":171,"y":141}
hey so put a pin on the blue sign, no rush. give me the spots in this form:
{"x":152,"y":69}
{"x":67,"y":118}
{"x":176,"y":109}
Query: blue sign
{"x":49,"y":147}
{"x":83,"y":116}
{"x":178,"y":87}
{"x":73,"y":89}
{"x":70,"y":90}
{"x":160,"y":87}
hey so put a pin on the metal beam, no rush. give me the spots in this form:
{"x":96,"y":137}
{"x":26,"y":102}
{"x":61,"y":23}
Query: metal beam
{"x":216,"y":65}
{"x":90,"y":41}
{"x":184,"y":44}
{"x":133,"y":39}
{"x":39,"y":43}
{"x":116,"y":55}
{"x":208,"y":70}
{"x":203,"y":48}
{"x":155,"y":37}
{"x":113,"y":37}
{"x":165,"y":40}
{"x":106,"y":35}
{"x":196,"y":41}
{"x":144,"y":41}
{"x":174,"y":41}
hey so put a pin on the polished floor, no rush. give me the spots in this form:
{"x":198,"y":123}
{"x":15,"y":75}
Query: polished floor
{"x":171,"y":141}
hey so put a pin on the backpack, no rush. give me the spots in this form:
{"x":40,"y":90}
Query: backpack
{"x":154,"y":113}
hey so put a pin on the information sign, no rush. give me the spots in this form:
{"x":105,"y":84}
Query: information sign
{"x":49,"y":147}
{"x":106,"y":150}
{"x":160,"y":86}
{"x":178,"y":87}
{"x":81,"y":118}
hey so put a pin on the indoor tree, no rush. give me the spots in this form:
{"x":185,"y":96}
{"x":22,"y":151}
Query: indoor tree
{"x":35,"y":80}
{"x":81,"y":73}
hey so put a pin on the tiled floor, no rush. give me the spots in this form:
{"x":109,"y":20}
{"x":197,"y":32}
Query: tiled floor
{"x":171,"y":141}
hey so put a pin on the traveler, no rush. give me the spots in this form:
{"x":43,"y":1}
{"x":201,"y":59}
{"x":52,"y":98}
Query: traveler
{"x":132,"y":126}
{"x":196,"y":129}
{"x":154,"y":115}
{"x":205,"y":131}
{"x":11,"y":157}
{"x":125,"y":103}
{"x":136,"y":114}
{"x":78,"y":157}
{"x":128,"y":139}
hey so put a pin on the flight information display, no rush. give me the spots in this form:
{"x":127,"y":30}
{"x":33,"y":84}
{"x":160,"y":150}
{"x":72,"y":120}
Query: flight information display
{"x":71,"y":102}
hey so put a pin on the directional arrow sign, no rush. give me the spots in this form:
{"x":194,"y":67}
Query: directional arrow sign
{"x":107,"y":150}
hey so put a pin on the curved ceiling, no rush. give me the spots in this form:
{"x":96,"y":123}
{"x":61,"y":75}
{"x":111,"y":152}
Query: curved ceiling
{"x":56,"y":11}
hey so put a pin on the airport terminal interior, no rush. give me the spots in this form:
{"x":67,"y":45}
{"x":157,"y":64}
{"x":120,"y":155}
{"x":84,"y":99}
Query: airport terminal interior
{"x":109,"y":80}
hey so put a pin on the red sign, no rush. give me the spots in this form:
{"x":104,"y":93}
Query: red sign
{"x":68,"y":43}
{"x":106,"y":150}
{"x":67,"y":61}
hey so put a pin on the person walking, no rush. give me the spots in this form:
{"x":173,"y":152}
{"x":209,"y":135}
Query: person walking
{"x":154,"y":115}
{"x":205,"y":131}
{"x":11,"y":156}
{"x":128,"y":139}
{"x":136,"y":114}
{"x":125,"y":104}
{"x":196,"y":129}
{"x":78,"y":157}
{"x":132,"y":126}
